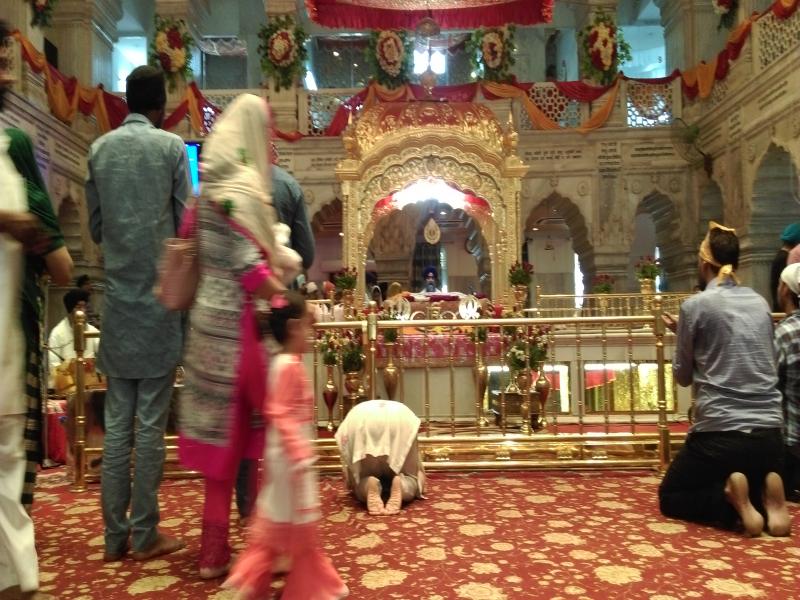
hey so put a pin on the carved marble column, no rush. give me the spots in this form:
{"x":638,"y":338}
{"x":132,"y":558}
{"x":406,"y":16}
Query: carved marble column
{"x":690,"y":32}
{"x":285,"y":102}
{"x":85,"y":31}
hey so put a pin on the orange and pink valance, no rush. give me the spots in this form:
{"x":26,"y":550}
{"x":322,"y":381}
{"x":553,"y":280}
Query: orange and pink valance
{"x":449,"y":14}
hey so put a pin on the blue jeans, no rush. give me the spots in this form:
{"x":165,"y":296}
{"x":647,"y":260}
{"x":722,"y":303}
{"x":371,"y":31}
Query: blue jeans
{"x":136,"y":412}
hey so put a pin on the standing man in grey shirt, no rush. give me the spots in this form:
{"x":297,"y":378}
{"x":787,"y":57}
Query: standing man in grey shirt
{"x":136,"y":189}
{"x":728,"y":468}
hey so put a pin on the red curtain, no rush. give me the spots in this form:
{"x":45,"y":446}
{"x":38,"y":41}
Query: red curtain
{"x":353,"y":14}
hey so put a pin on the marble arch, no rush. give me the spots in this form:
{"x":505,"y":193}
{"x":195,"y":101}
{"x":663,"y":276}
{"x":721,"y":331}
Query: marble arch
{"x":566,"y":209}
{"x":676,"y":256}
{"x":392,"y":145}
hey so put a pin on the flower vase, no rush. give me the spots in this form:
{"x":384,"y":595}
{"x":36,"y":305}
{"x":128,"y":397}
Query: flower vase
{"x":330,"y":394}
{"x":352,"y":383}
{"x":523,"y":381}
{"x":512,"y":387}
{"x":542,"y":388}
{"x":647,"y":288}
{"x":348,"y":303}
{"x":481,"y":381}
{"x":520,"y":297}
{"x":390,"y":374}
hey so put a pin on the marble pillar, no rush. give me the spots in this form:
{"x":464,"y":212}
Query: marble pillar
{"x":284,"y":103}
{"x":85,"y":31}
{"x":690,"y":32}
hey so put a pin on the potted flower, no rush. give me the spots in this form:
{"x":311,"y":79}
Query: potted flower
{"x":603,"y":284}
{"x":519,"y":276}
{"x":352,"y":355}
{"x":647,"y":269}
{"x":329,"y":345}
{"x":345,"y":281}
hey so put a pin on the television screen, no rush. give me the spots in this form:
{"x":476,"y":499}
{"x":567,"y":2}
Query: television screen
{"x":193,"y":151}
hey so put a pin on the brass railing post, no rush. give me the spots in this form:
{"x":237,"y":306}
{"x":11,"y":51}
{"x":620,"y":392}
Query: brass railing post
{"x":659,"y":329}
{"x":79,"y":403}
{"x":370,"y":328}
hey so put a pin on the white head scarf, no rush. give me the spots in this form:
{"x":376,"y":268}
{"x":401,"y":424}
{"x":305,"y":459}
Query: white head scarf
{"x":235,"y":167}
{"x":791,"y":277}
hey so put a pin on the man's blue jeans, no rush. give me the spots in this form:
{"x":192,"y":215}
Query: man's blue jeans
{"x":136,"y":412}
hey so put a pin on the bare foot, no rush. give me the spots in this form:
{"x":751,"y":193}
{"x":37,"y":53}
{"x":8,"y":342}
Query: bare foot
{"x":164,"y":544}
{"x":110,"y":556}
{"x":374,"y":502}
{"x":395,"y":500}
{"x":214,"y":572}
{"x":737,"y":492}
{"x":778,"y":520}
{"x":281,"y":564}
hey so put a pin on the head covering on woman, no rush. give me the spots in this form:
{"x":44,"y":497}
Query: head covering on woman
{"x":235,"y":168}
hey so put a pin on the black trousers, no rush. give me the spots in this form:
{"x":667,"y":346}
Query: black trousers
{"x":693,"y":488}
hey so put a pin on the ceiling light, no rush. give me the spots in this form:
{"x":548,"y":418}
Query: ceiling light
{"x":535,"y":229}
{"x":442,"y":212}
{"x":336,"y":53}
{"x":355,"y":65}
{"x":341,"y":234}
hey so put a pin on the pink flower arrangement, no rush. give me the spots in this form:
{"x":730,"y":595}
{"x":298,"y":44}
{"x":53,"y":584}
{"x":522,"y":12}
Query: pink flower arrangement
{"x":647,"y":268}
{"x":603,"y":284}
{"x":520,"y":273}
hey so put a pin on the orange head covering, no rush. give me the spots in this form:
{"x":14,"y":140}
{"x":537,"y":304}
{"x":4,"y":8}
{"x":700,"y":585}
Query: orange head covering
{"x":725,"y":271}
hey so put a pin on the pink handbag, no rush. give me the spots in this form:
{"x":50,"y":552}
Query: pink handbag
{"x":178,"y":273}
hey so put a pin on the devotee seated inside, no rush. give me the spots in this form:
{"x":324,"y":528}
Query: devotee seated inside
{"x":378,"y":448}
{"x":430,"y":286}
{"x":61,"y":343}
{"x":727,"y":471}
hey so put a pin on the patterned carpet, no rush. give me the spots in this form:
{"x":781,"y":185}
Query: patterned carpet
{"x":478,"y":536}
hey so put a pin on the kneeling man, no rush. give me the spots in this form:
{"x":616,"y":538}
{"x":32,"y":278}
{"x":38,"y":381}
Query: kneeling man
{"x":728,"y":469}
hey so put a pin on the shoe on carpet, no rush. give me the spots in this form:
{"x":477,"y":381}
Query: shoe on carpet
{"x":164,"y":544}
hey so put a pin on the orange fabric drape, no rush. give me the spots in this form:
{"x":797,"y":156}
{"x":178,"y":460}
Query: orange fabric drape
{"x":64,"y":103}
{"x":702,"y":76}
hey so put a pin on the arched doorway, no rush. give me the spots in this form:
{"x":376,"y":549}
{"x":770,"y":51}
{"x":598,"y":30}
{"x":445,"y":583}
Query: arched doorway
{"x":326,"y":225}
{"x":711,"y":208}
{"x":775,"y":204}
{"x":658,"y":226}
{"x":557,"y":219}
{"x":461,"y":145}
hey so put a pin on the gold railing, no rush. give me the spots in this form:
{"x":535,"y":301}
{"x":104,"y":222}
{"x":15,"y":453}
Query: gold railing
{"x":599,"y":396}
{"x":603,"y":305}
{"x":454,"y":380}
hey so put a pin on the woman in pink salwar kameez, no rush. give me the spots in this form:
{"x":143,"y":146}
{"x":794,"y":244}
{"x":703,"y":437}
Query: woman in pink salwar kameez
{"x":225,"y":363}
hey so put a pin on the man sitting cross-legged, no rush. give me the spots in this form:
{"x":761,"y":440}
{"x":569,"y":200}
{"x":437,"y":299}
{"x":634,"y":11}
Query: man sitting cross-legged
{"x":728,"y":469}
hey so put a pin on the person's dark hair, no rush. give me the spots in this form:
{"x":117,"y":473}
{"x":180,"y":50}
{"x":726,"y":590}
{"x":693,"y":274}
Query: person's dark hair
{"x":5,"y":31}
{"x":145,"y":89}
{"x":724,"y":247}
{"x":82,"y":280}
{"x":295,"y":308}
{"x":72,"y":297}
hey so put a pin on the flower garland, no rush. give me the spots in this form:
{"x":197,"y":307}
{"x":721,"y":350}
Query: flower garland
{"x":603,"y":49}
{"x":346,"y":279}
{"x":389,"y":54}
{"x":172,"y":49}
{"x":491,"y":53}
{"x":283,"y":51}
{"x":726,"y":9}
{"x":42,"y":12}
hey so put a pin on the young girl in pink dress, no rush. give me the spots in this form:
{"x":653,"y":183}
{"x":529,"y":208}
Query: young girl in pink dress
{"x":287,"y":509}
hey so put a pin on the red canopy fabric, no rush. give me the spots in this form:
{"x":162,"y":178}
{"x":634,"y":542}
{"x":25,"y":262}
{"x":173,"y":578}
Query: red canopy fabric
{"x":449,"y":14}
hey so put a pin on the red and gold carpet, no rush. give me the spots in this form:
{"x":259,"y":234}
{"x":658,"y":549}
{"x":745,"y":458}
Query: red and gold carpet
{"x":478,"y":537}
